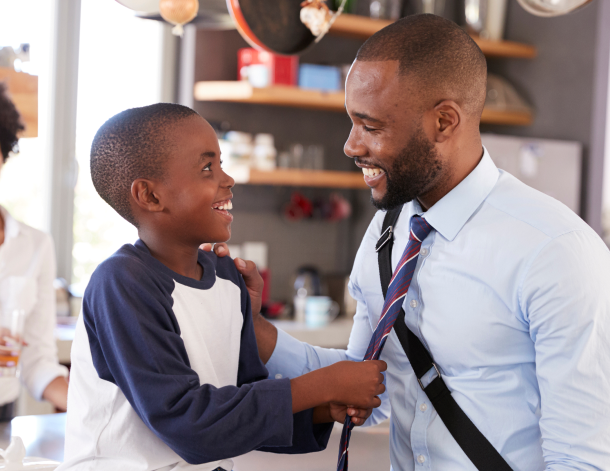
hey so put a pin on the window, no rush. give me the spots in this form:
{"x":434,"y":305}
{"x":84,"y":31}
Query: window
{"x":23,"y":181}
{"x":119,"y":68}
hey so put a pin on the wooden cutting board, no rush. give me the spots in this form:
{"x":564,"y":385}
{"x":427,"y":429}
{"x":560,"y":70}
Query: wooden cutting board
{"x":23,"y":90}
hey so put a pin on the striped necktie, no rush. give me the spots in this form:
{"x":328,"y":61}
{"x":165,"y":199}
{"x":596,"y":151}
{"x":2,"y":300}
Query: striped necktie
{"x":397,"y":290}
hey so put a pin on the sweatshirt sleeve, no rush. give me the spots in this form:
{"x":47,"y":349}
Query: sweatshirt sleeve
{"x":135,"y":344}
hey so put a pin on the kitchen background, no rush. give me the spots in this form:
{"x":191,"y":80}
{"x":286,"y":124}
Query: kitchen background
{"x":301,"y":207}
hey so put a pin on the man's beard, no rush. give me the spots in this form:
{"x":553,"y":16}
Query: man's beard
{"x":413,"y":171}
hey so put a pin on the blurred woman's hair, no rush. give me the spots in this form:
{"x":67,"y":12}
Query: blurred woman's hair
{"x":10,"y":124}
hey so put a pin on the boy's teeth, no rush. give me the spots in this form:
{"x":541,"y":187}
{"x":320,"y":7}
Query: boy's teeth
{"x":226,"y":206}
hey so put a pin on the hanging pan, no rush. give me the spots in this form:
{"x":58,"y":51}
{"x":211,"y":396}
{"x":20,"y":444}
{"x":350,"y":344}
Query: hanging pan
{"x":282,"y":26}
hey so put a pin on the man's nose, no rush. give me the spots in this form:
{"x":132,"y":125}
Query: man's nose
{"x":353,"y":146}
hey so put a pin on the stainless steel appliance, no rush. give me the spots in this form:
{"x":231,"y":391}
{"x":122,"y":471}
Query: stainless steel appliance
{"x":551,"y":166}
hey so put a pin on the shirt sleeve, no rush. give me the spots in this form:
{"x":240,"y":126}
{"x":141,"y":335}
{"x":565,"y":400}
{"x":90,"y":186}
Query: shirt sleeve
{"x":292,"y":358}
{"x":135,"y":344}
{"x":39,"y":358}
{"x":566,"y":300}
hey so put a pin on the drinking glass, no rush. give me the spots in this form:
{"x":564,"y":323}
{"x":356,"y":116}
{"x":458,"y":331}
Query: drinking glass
{"x":11,"y":342}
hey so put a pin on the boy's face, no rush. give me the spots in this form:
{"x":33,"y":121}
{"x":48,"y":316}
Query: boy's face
{"x":195,"y":185}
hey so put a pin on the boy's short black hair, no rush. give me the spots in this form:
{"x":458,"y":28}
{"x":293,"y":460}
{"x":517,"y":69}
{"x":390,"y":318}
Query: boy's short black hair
{"x":10,"y":124}
{"x":132,"y":145}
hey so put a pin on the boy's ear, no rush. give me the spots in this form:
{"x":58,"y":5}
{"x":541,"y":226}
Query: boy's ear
{"x":143,"y":193}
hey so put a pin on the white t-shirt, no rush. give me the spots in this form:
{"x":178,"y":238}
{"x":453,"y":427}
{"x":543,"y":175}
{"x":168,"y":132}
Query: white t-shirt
{"x":27,"y":271}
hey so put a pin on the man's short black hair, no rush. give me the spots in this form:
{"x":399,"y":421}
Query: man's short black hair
{"x":132,"y":145}
{"x":10,"y":124}
{"x":442,"y":58}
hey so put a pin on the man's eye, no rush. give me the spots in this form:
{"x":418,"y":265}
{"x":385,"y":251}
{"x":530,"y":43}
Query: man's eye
{"x":366,"y":128}
{"x":208,"y":167}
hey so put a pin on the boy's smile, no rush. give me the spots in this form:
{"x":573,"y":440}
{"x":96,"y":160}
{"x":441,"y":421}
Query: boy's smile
{"x":197,"y":190}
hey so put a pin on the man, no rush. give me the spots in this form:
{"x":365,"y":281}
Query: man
{"x":510,"y":294}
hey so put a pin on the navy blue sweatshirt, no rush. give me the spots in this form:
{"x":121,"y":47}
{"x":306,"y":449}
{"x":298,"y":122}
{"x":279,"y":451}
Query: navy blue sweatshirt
{"x":165,"y":372}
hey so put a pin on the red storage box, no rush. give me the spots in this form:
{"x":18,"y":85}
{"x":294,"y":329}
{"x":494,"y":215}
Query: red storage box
{"x":281,"y":70}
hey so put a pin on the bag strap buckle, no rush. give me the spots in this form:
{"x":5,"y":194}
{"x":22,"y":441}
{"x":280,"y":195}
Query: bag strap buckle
{"x":387,"y":234}
{"x":438,"y":373}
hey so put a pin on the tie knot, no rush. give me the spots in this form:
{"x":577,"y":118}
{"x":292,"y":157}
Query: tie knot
{"x":420,"y":228}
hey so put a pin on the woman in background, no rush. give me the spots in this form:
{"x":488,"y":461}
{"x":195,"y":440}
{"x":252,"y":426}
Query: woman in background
{"x":27,"y":271}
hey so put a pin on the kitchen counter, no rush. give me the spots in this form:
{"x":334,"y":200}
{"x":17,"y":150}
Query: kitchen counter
{"x":335,"y":335}
{"x":43,"y":436}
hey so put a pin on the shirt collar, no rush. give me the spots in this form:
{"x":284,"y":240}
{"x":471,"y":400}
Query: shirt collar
{"x":451,"y":212}
{"x":11,"y":227}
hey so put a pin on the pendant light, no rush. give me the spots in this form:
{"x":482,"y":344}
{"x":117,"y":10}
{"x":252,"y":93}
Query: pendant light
{"x":178,"y":12}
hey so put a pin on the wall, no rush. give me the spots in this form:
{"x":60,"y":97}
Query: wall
{"x":329,"y":246}
{"x":566,"y":83}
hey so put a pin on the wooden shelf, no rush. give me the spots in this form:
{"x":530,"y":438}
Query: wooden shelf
{"x":298,"y":178}
{"x":23,"y":90}
{"x":510,"y":118}
{"x":281,"y":95}
{"x":361,"y":27}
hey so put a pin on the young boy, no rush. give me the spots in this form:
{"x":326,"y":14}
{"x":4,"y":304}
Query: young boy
{"x":165,"y":367}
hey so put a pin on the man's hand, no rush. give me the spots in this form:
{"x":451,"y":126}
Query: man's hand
{"x":248,"y":270}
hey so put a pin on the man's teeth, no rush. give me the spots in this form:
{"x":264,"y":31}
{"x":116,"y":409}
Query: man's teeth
{"x":372,"y":171}
{"x":226,"y":206}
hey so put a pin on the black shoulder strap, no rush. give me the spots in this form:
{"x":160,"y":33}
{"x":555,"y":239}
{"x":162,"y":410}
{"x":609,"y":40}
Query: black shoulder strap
{"x":476,"y":446}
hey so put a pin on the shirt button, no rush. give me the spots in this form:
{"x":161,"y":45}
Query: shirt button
{"x":423,"y":407}
{"x":424,"y":252}
{"x":413,"y":303}
{"x":278,"y":376}
{"x":421,"y":459}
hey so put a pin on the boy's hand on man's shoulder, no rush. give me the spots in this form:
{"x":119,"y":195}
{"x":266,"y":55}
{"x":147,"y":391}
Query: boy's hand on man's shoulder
{"x":248,"y":270}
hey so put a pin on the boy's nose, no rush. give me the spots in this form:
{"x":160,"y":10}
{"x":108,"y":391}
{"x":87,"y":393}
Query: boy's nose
{"x":227,"y":180}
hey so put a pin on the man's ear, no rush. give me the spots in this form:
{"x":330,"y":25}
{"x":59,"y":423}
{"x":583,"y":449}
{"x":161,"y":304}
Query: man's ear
{"x":447,"y":115}
{"x":145,"y":195}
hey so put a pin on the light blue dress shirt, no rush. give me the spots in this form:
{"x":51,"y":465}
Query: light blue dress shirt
{"x":511,"y":296}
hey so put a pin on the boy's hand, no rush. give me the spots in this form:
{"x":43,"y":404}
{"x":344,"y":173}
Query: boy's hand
{"x":358,"y":383}
{"x":248,"y":270}
{"x":359,"y":415}
{"x":346,"y":383}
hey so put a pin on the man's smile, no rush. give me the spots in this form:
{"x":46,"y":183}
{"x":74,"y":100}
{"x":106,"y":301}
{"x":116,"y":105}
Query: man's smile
{"x":372,"y":174}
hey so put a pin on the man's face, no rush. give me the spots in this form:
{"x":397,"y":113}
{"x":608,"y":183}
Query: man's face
{"x":388,"y":139}
{"x":195,"y":185}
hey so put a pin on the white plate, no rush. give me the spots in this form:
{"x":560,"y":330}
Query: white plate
{"x":550,"y":8}
{"x":34,"y":463}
